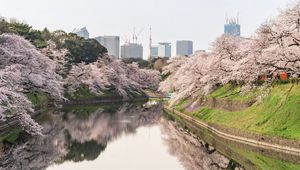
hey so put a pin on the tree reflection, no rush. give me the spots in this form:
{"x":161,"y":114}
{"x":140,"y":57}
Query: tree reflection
{"x":191,"y":151}
{"x":78,"y":134}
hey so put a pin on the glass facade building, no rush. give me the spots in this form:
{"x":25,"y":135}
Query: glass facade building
{"x":184,"y":48}
{"x":232,"y":28}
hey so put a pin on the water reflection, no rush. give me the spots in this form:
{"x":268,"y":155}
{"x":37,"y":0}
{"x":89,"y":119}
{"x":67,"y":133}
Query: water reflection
{"x":77,"y":134}
{"x":192,"y":152}
{"x":130,"y":136}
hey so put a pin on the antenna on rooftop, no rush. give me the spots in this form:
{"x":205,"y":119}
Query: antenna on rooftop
{"x":133,"y":35}
{"x":227,"y":20}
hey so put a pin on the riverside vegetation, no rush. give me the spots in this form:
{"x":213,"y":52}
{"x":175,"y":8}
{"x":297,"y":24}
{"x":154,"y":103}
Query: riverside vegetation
{"x":40,"y":69}
{"x":241,"y":83}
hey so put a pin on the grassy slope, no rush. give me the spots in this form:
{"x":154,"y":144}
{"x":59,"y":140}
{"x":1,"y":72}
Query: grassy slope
{"x":38,"y":99}
{"x":277,"y":115}
{"x":269,"y":163}
{"x":259,"y":160}
{"x":233,"y":92}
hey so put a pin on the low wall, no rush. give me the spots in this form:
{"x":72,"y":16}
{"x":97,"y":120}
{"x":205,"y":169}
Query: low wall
{"x":225,"y":104}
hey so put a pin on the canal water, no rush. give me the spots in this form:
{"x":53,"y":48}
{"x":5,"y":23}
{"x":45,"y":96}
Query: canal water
{"x":131,"y":136}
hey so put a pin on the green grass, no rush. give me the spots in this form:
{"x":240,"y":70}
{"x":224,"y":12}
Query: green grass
{"x":181,"y":104}
{"x":277,"y":115}
{"x":264,"y":162}
{"x":12,"y":136}
{"x":252,"y":158}
{"x":270,"y":163}
{"x":37,"y":98}
{"x":233,"y":92}
{"x":81,"y":93}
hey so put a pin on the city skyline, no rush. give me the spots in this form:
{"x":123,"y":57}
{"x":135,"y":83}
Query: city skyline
{"x":192,"y":20}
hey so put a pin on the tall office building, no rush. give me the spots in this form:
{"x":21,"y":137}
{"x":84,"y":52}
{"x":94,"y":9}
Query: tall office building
{"x":164,"y":49}
{"x":82,"y":32}
{"x":132,"y":50}
{"x":184,"y":48}
{"x":112,"y":44}
{"x":153,"y":51}
{"x":232,"y":27}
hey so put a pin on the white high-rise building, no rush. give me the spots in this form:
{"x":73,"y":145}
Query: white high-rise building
{"x":82,"y":32}
{"x":132,"y":50}
{"x":164,"y":49}
{"x":112,"y":44}
{"x":184,"y":48}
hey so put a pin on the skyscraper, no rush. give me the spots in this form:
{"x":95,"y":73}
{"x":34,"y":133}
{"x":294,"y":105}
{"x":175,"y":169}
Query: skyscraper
{"x":112,"y":43}
{"x":132,"y":50}
{"x":232,"y":27}
{"x":184,"y":48}
{"x":164,"y":49}
{"x":153,"y":51}
{"x":81,"y":32}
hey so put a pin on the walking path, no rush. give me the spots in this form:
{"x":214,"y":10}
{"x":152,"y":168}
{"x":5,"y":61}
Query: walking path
{"x":247,"y":141}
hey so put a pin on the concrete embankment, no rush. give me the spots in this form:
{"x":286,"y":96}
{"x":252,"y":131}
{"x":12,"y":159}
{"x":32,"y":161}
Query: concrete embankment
{"x":281,"y":145}
{"x":104,"y":99}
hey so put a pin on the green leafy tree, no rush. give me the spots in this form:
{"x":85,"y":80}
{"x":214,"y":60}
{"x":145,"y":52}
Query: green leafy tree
{"x":19,"y":28}
{"x":142,"y":63}
{"x":4,"y":26}
{"x":84,"y":151}
{"x":83,"y":50}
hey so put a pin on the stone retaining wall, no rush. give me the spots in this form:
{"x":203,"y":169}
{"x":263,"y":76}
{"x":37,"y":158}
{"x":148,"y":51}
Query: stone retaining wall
{"x":225,"y":104}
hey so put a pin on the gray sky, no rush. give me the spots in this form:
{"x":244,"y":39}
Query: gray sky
{"x":198,"y":20}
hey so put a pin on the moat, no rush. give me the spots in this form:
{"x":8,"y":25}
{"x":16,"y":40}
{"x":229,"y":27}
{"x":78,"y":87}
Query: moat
{"x":131,"y":136}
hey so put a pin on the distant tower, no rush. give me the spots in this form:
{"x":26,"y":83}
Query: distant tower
{"x":150,"y":42}
{"x":152,"y":49}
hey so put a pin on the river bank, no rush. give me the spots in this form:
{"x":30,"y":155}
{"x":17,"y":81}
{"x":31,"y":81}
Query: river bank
{"x":248,"y":156}
{"x":260,"y":113}
{"x":282,"y":145}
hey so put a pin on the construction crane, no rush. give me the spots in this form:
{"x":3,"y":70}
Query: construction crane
{"x":136,"y":35}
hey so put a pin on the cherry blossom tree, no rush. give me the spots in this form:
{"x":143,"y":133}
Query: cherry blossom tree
{"x":108,"y":73}
{"x":59,"y":56}
{"x":24,"y":69}
{"x":278,"y":42}
{"x":274,"y":48}
{"x":37,"y":71}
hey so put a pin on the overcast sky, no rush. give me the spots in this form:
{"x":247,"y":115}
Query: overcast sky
{"x":198,"y":20}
